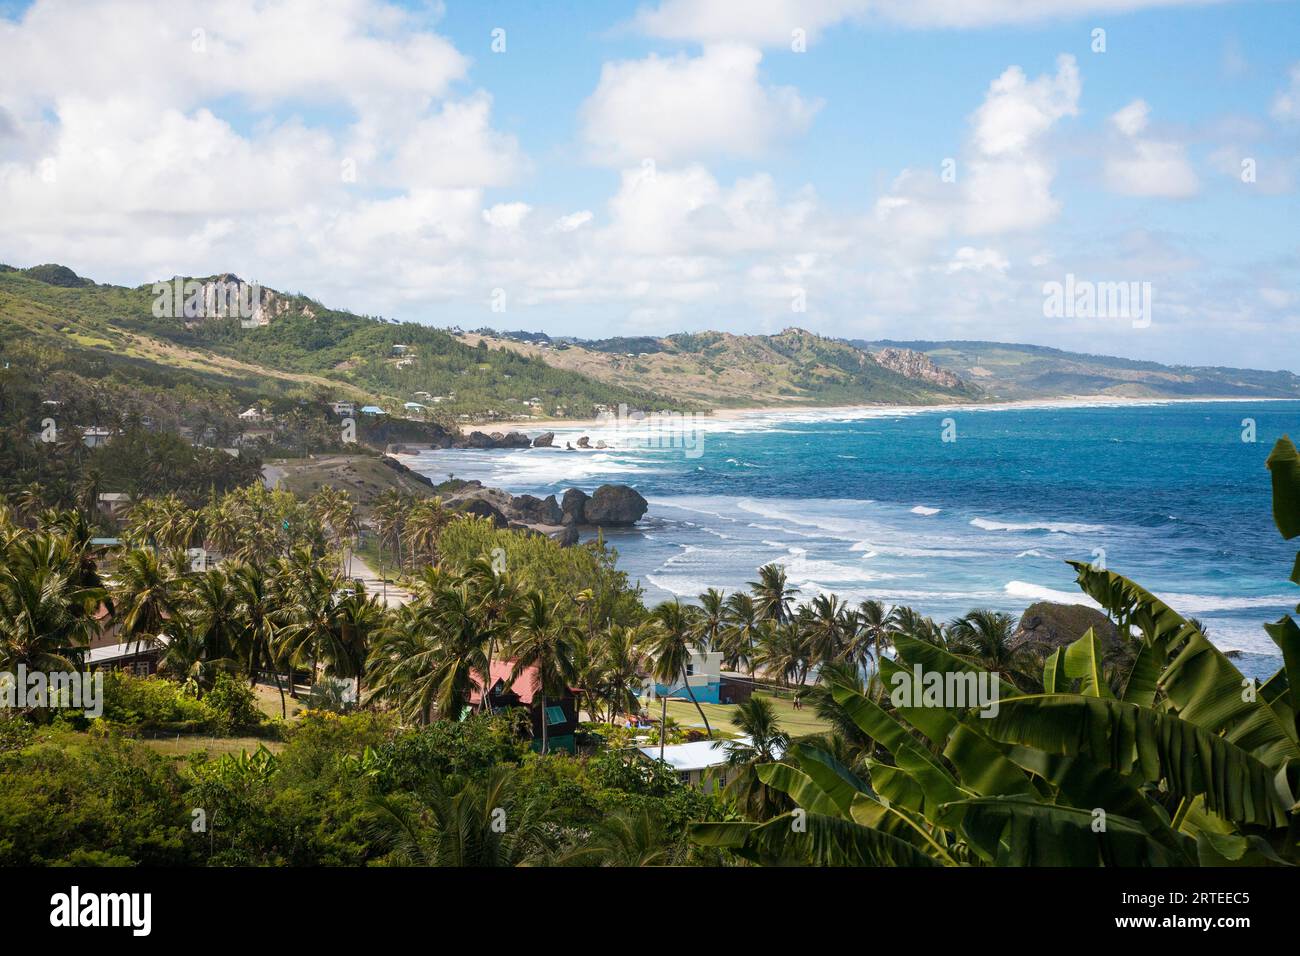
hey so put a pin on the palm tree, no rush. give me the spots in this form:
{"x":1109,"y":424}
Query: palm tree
{"x":258,"y":607}
{"x":983,"y":637}
{"x":45,"y":613}
{"x":621,"y":662}
{"x":772,"y":595}
{"x":626,"y":838}
{"x":431,"y":655}
{"x":827,"y":627}
{"x":870,"y":633}
{"x":212,"y":612}
{"x":672,"y":651}
{"x":711,"y":619}
{"x":767,"y":743}
{"x":543,"y":640}
{"x":462,"y":822}
{"x":785,"y":652}
{"x":145,"y":596}
{"x":741,"y":635}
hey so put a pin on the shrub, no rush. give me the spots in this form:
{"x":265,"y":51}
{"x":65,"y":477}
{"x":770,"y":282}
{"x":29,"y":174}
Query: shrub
{"x":232,"y":705}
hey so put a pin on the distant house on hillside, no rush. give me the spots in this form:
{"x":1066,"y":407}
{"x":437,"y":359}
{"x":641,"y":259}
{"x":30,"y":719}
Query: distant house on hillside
{"x":114,"y":503}
{"x":93,"y":437}
{"x":344,"y":409}
{"x":371,"y":410}
{"x":561,"y":715}
{"x":251,"y":414}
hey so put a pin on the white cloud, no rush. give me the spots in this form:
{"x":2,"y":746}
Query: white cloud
{"x":1003,"y":183}
{"x":1286,"y":105}
{"x":970,"y":259}
{"x":506,"y":215}
{"x":770,"y":22}
{"x":457,"y":147}
{"x":573,"y":221}
{"x":1147,"y":167}
{"x":678,"y":108}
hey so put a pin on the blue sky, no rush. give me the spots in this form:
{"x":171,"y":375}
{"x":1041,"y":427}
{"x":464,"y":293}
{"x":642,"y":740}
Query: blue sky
{"x":625,"y":168}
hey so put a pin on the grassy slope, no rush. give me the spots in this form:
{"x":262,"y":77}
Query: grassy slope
{"x":1007,"y":371}
{"x":308,"y":348}
{"x":721,"y":369}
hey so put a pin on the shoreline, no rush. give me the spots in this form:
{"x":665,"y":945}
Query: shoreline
{"x":541,"y":425}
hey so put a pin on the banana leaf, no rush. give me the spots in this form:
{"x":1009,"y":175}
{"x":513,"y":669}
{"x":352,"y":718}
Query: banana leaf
{"x":1284,"y":470}
{"x":1152,"y":745}
{"x":1014,"y":831}
{"x":1083,"y":660}
{"x":1202,"y":685}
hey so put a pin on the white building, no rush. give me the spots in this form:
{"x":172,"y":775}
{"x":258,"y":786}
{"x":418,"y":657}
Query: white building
{"x":699,"y":763}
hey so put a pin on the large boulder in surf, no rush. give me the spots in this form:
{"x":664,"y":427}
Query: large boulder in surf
{"x":533,"y":510}
{"x":584,"y":442}
{"x":544,"y":440}
{"x":573,"y":505}
{"x":484,"y":509}
{"x":567,"y":534}
{"x":514,"y":440}
{"x":1048,"y":625}
{"x":614,"y":506}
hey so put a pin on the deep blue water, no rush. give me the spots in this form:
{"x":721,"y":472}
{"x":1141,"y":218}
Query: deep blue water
{"x":875,"y":504}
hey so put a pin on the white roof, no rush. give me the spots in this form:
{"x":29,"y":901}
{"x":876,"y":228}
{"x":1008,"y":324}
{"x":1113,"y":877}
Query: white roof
{"x":113,"y":652}
{"x":697,"y":755}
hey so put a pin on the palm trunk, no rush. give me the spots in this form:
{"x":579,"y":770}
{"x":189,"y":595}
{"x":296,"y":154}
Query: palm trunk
{"x":545,"y":736}
{"x":691,"y":694}
{"x":663,"y":724}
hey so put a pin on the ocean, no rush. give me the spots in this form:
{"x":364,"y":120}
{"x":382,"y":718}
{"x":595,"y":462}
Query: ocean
{"x":945,"y":509}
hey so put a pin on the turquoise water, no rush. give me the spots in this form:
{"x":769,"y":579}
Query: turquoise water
{"x":873,"y":503}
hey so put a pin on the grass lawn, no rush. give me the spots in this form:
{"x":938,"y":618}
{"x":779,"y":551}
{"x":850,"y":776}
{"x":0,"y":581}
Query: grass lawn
{"x":797,"y":723}
{"x":268,"y":701}
{"x":216,"y":746}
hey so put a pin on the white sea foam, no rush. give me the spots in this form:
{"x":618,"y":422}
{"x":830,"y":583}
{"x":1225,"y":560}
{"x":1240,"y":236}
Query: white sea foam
{"x":923,"y":510}
{"x":1056,"y":527}
{"x":1036,"y":592}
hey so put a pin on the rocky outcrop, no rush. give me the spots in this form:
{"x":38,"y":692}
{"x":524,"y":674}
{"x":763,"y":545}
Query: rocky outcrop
{"x":615,"y":506}
{"x":477,"y":439}
{"x":1050,"y":626}
{"x":584,"y":442}
{"x":574,"y":506}
{"x":567,"y":535}
{"x":917,"y":366}
{"x":534,"y":510}
{"x":544,"y":440}
{"x":483,"y":509}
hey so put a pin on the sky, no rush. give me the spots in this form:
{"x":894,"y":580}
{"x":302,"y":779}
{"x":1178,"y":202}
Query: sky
{"x":903,"y":169}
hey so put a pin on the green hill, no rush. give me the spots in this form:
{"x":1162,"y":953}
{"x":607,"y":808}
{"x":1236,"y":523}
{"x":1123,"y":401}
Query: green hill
{"x":303,"y":349}
{"x":1008,"y":372}
{"x":719,"y":369}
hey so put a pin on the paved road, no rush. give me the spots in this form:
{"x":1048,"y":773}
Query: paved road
{"x":375,"y":585}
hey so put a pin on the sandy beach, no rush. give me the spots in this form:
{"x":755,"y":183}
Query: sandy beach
{"x":536,"y":426}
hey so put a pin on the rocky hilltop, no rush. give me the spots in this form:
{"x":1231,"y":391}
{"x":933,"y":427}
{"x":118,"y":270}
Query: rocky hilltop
{"x":917,"y":366}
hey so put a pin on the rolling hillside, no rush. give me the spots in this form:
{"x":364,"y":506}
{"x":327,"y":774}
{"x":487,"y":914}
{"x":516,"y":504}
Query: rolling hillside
{"x":301,"y":348}
{"x":1008,"y":372}
{"x":719,"y":369}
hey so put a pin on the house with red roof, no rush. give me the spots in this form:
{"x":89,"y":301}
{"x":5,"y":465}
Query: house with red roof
{"x":561,"y":715}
